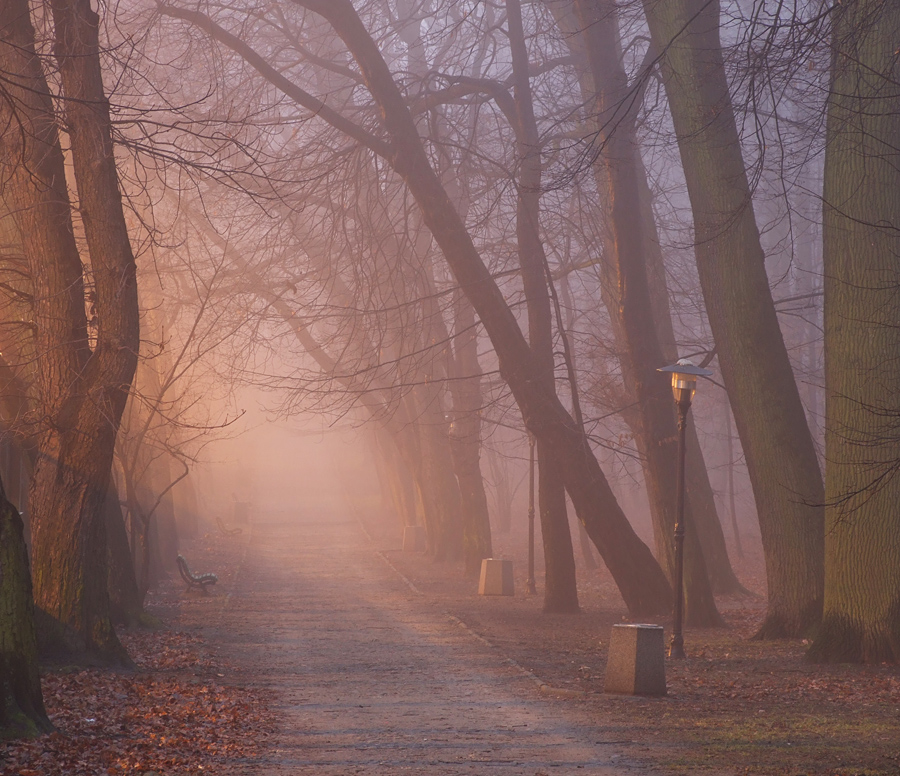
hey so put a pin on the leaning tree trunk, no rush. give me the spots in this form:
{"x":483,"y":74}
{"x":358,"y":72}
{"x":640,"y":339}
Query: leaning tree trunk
{"x":862,"y":338}
{"x":21,"y":702}
{"x":633,"y":306}
{"x":650,"y":437}
{"x":701,"y":502}
{"x":781,"y":458}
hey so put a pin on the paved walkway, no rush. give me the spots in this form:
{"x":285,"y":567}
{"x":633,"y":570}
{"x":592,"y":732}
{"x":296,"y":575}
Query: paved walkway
{"x":370,"y":679}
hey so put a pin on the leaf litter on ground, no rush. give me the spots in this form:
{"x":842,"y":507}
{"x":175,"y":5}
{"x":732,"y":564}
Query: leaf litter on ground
{"x":173,"y":715}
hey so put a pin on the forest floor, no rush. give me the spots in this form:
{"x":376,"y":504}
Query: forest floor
{"x":734,"y":706}
{"x":175,"y":713}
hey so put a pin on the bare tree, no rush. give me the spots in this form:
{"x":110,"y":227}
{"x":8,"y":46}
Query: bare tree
{"x":403,"y":149}
{"x":83,"y":367}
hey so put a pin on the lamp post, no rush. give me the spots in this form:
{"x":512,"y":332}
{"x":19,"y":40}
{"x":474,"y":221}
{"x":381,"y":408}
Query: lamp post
{"x":684,"y":384}
{"x":530,"y":587}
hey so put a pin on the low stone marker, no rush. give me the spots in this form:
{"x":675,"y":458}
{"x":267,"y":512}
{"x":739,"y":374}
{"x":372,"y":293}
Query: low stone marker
{"x":414,"y":538}
{"x":636,"y":664}
{"x":496,"y":577}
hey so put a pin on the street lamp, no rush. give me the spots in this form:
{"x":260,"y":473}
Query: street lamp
{"x":684,"y":384}
{"x":530,"y":587}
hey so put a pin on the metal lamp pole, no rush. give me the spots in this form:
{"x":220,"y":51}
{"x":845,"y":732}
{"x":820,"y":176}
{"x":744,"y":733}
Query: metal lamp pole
{"x":684,"y":384}
{"x":530,"y":587}
{"x":676,"y":649}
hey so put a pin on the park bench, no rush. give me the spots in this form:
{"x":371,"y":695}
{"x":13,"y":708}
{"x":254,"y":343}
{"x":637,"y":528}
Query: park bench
{"x":198,"y":581}
{"x":225,"y":530}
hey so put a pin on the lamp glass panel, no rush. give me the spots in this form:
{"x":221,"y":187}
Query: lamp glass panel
{"x":683,"y":386}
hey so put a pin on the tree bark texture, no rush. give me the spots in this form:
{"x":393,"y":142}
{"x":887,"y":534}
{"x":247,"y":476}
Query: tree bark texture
{"x":82,"y":381}
{"x":769,"y":415}
{"x":21,"y":702}
{"x":861,"y":213}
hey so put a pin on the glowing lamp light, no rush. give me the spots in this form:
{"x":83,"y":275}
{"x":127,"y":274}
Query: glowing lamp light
{"x":684,"y":379}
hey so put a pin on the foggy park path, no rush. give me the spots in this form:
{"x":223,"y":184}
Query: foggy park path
{"x":368,"y":678}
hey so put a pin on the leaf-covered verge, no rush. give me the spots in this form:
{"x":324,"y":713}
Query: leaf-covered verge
{"x":178,"y":713}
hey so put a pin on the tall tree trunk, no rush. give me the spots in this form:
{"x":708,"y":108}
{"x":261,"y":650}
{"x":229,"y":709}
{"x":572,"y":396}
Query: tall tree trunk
{"x":125,"y":602}
{"x":653,"y":402}
{"x":568,"y":328}
{"x":435,"y":476}
{"x":701,"y":510}
{"x":21,"y":702}
{"x":83,"y":380}
{"x":701,"y":501}
{"x":464,"y":371}
{"x":560,"y":590}
{"x":771,"y":423}
{"x":862,"y":339}
{"x":732,"y":510}
{"x":465,"y":436}
{"x":399,"y":481}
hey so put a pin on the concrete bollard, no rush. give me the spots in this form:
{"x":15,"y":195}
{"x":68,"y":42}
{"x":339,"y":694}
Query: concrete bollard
{"x":414,"y":538}
{"x":636,"y":663}
{"x":496,"y":577}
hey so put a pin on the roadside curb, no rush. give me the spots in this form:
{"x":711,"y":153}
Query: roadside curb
{"x":542,"y":685}
{"x":399,"y":573}
{"x":547,"y":689}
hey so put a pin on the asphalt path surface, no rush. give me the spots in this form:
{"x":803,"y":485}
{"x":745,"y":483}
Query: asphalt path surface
{"x":370,"y":678}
